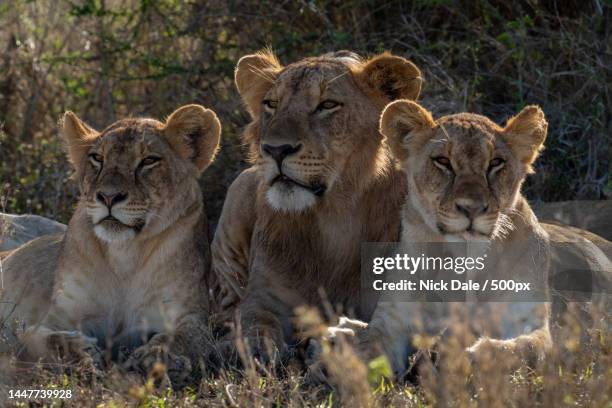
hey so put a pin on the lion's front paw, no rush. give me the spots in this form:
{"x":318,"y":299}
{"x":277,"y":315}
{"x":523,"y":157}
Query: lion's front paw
{"x":494,"y":355}
{"x":224,"y":355}
{"x":265,"y":350}
{"x":247,"y":351}
{"x":150,"y":358}
{"x":74,"y":346}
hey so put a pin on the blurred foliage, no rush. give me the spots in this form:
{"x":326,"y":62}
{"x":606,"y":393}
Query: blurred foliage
{"x":106,"y":59}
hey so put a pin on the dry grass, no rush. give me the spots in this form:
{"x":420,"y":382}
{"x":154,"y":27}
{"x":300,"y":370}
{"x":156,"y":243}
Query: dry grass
{"x":577,"y":378}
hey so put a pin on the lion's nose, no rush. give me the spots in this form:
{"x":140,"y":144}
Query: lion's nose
{"x":279,"y":152}
{"x":110,"y":199}
{"x":471,"y":208}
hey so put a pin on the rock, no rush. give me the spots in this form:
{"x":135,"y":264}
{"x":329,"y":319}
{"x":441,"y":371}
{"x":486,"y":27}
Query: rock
{"x":16,"y":230}
{"x":594,"y":216}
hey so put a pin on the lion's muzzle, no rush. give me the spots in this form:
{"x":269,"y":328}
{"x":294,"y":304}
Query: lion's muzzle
{"x":280,"y":151}
{"x":317,"y":189}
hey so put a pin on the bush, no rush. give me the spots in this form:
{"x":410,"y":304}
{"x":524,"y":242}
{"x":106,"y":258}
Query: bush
{"x":109,"y":59}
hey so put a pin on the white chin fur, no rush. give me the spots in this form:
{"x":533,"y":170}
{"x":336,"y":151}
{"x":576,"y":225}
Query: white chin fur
{"x":294,"y":199}
{"x":113,"y":236}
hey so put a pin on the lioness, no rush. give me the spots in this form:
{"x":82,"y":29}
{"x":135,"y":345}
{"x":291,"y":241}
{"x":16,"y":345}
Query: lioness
{"x":129,"y":271}
{"x":293,"y":222}
{"x":464,"y":176}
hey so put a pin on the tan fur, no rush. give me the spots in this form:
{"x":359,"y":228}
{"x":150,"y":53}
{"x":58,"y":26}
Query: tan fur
{"x":136,"y":281}
{"x":270,"y":260}
{"x":29,"y":291}
{"x":470,"y":143}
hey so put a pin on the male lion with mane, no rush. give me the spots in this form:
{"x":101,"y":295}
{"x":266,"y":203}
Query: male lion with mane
{"x":464,"y":176}
{"x":293,"y":223}
{"x":128,"y":277}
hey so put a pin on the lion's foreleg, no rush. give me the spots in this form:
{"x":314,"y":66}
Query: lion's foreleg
{"x":390,"y":333}
{"x":528,"y":348}
{"x":57,"y":339}
{"x":264,"y":324}
{"x":180,"y":350}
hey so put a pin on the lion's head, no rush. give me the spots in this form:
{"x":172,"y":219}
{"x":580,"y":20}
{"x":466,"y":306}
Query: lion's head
{"x":314,"y":128}
{"x":137,"y":176}
{"x":464,"y":171}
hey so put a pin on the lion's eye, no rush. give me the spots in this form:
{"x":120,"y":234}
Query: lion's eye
{"x":442,"y":162}
{"x":96,"y":159}
{"x":328,"y":105}
{"x":270,"y":105}
{"x":496,"y":164}
{"x":149,"y":161}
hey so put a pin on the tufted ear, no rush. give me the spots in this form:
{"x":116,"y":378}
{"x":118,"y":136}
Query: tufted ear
{"x":194,"y":132}
{"x":255,"y":74}
{"x":392,"y":77}
{"x":525,"y":133}
{"x":405,"y":124}
{"x":79,"y":138}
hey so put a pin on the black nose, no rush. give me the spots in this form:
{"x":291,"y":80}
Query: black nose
{"x":110,"y":199}
{"x":279,"y":152}
{"x":471,"y":208}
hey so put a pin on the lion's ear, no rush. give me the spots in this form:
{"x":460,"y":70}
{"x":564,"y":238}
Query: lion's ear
{"x":392,"y":77}
{"x":405,"y":123}
{"x":525,"y":133}
{"x":194,"y":132}
{"x":255,"y":74}
{"x":79,"y":138}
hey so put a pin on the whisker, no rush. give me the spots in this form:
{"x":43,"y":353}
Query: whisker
{"x":337,"y":77}
{"x":503,"y":227}
{"x":445,"y":132}
{"x":262,"y":74}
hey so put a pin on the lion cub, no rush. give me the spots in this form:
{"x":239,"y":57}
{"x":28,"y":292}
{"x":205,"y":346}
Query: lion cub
{"x":464,"y":176}
{"x":129,"y":273}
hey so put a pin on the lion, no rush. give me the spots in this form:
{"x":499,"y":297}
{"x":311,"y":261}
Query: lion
{"x":292,"y":224}
{"x":127,"y":280}
{"x":464,"y":175}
